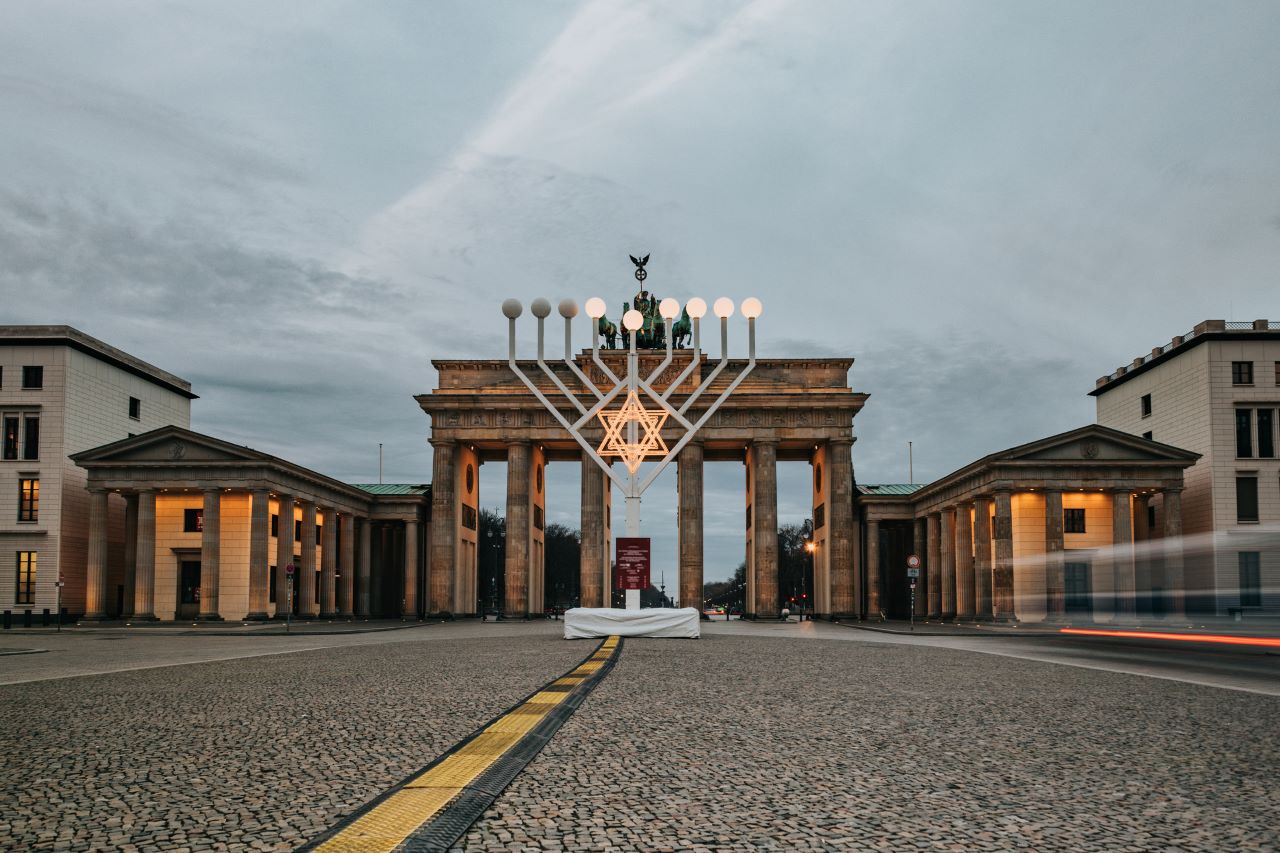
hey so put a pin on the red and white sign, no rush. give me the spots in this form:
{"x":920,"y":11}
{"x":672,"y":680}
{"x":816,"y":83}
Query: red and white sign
{"x":913,"y":561}
{"x":631,"y":570}
{"x":288,"y":570}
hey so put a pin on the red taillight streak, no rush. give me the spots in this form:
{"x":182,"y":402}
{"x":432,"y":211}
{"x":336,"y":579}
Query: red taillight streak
{"x":1189,"y":638}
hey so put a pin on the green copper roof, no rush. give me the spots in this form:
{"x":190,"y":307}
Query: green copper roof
{"x":890,"y":488}
{"x":394,"y":488}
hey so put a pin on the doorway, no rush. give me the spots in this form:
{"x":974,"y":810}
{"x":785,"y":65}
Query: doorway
{"x":188,"y":589}
{"x":1076,"y":595}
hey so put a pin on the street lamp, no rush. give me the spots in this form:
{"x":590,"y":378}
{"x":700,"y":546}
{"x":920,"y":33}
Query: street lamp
{"x":812,"y":548}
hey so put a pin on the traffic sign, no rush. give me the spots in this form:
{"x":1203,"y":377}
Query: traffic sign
{"x":913,"y":561}
{"x":913,"y":573}
{"x":288,"y":570}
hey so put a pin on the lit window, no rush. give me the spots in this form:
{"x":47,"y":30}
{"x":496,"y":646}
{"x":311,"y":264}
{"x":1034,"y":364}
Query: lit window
{"x":33,"y":376}
{"x":28,"y":499}
{"x":1146,"y":405}
{"x":135,"y":408}
{"x":25,"y":588}
{"x":193,"y":520}
{"x":1246,"y":499}
{"x":1242,"y":373}
{"x":1073,"y":521}
{"x":1250,"y":581}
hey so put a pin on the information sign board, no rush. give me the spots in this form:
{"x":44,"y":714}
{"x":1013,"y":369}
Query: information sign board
{"x":631,"y":569}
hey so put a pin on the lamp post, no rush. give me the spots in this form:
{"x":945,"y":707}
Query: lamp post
{"x":632,"y":432}
{"x":812,"y":548}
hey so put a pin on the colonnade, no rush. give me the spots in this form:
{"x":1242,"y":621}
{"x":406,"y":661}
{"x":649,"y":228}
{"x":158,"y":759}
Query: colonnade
{"x":344,"y":572}
{"x":966,"y":578}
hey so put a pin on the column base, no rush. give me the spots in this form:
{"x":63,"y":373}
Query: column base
{"x":209,"y":617}
{"x":256,"y":617}
{"x":143,"y":617}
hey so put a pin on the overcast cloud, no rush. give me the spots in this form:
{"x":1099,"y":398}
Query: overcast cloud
{"x":297,"y":207}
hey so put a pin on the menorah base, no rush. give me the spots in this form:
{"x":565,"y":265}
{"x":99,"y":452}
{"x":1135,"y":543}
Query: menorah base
{"x":582,"y":623}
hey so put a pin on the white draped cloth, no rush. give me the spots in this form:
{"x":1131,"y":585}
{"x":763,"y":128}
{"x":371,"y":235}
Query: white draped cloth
{"x":586,"y":622}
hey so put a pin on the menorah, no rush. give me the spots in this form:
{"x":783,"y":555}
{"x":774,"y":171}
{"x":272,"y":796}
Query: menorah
{"x":633,"y":432}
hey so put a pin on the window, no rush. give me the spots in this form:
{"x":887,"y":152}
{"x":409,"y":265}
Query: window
{"x":1073,"y":521}
{"x":1146,"y":405}
{"x":1242,"y":373}
{"x":28,"y":499}
{"x":275,"y":524}
{"x":1244,"y":433}
{"x":1266,"y":433}
{"x":297,"y":530}
{"x":25,"y":586}
{"x":1278,"y":372}
{"x":1151,"y":517}
{"x":31,"y":437}
{"x":2,"y":373}
{"x":1147,"y":435}
{"x":10,"y":436}
{"x":1246,"y":499}
{"x":1250,"y":583}
{"x":135,"y":408}
{"x":33,"y":376}
{"x":271,"y":583}
{"x":193,"y":520}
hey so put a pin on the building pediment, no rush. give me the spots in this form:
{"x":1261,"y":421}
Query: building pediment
{"x":1095,"y":443}
{"x":171,"y":445}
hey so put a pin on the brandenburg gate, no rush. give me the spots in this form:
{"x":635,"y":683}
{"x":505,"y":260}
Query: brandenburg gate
{"x":784,"y":410}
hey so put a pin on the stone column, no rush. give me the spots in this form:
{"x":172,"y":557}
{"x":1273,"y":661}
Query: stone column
{"x":933,"y":562}
{"x":442,"y":548}
{"x":689,"y":487}
{"x":947,"y":554}
{"x":982,"y":557}
{"x":873,"y":569}
{"x":964,"y":562}
{"x":347,"y":566}
{"x":410,"y":606}
{"x":764,"y":522}
{"x":329,"y":566}
{"x":95,"y":597}
{"x":284,"y":553}
{"x":366,"y":562}
{"x":144,"y":578}
{"x":1003,"y":604}
{"x":840,"y":527}
{"x":1122,"y":553}
{"x":211,"y":556}
{"x":591,"y":556}
{"x":130,"y":551}
{"x":516,"y":605}
{"x":920,"y":549}
{"x":259,"y":546}
{"x":1174,"y":577}
{"x":1054,"y":564}
{"x":307,"y":565}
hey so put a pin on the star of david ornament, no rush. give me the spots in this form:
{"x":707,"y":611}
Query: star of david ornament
{"x":649,"y":441}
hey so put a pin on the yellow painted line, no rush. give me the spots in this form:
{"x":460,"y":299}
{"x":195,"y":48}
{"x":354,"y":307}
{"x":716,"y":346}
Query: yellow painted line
{"x":385,"y":827}
{"x":388,"y":824}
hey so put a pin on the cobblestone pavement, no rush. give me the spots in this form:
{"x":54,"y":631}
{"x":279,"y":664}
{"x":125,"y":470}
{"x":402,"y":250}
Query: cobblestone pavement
{"x":259,"y":753}
{"x":742,"y":742}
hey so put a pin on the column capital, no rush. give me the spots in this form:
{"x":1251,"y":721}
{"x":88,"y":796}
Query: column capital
{"x":756,"y":442}
{"x":443,"y":442}
{"x":841,"y":440}
{"x":1172,"y":490}
{"x":1002,"y":491}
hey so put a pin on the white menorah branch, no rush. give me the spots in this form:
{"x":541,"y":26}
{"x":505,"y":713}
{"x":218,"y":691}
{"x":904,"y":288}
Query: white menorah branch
{"x":633,"y":433}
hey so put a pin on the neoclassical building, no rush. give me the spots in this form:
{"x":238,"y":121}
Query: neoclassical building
{"x":1085,"y":525}
{"x":211,"y":529}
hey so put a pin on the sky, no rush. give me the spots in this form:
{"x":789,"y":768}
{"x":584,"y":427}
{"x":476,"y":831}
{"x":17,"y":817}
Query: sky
{"x":296,"y":207}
